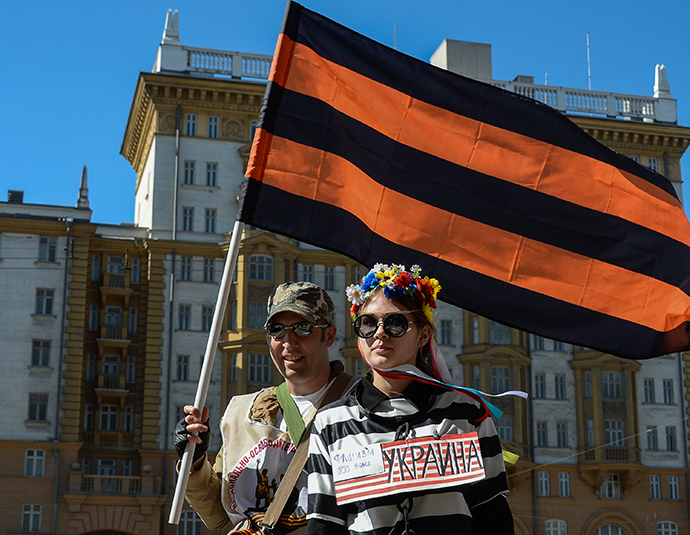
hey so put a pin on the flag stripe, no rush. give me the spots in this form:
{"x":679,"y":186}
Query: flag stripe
{"x":555,"y":318}
{"x":456,"y":189}
{"x":487,"y":149}
{"x":460,"y":95}
{"x":535,"y":265}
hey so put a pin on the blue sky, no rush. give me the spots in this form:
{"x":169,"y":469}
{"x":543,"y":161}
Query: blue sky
{"x":69,"y":69}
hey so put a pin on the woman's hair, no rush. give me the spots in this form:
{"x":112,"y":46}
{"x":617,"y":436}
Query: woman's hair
{"x":414,"y":307}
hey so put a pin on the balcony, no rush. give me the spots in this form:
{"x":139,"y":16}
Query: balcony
{"x":108,"y":439}
{"x":113,"y":336}
{"x":116,"y":285}
{"x":89,"y":491}
{"x":111,"y":386}
{"x":608,"y":454}
{"x":235,"y":64}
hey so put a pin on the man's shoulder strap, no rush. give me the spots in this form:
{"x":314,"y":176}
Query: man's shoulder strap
{"x":340,"y":385}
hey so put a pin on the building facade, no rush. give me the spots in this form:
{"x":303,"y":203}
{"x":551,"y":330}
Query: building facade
{"x":105,"y":338}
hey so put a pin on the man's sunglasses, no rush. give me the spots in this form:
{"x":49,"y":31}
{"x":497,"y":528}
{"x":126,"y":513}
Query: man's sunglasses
{"x":394,"y":325}
{"x":276,"y":330}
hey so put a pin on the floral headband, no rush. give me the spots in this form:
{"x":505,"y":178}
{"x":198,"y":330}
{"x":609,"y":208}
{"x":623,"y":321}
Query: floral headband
{"x":396,"y":282}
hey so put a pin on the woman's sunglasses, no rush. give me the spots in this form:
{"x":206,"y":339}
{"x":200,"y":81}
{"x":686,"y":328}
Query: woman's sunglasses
{"x":394,"y":325}
{"x":276,"y":330}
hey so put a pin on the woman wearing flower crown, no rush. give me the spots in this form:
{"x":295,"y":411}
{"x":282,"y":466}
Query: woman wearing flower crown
{"x":403,"y":453}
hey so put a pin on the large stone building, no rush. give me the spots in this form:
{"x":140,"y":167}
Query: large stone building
{"x":107,"y":326}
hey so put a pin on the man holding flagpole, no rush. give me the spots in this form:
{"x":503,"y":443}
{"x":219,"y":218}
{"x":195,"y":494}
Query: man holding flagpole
{"x":258,"y":480}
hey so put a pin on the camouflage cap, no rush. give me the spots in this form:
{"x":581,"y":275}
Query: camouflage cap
{"x":304,"y":298}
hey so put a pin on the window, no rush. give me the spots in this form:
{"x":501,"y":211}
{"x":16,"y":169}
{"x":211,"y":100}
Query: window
{"x":190,"y":524}
{"x":537,"y":342}
{"x":233,"y":368}
{"x":116,"y":264}
{"x":308,"y":273}
{"x":539,"y":385}
{"x":555,"y":527}
{"x":613,"y":431}
{"x":544,"y":484}
{"x":91,"y":367}
{"x":564,"y":484}
{"x":188,"y":219}
{"x":668,"y":392}
{"x":213,"y":126}
{"x":210,"y":219}
{"x":635,"y":158}
{"x":109,"y":415}
{"x":542,"y":435}
{"x":46,"y":249}
{"x":476,"y":377}
{"x":499,"y":334}
{"x":653,"y":164}
{"x":260,"y":267}
{"x":93,"y":318}
{"x":106,"y":467}
{"x":649,"y":390}
{"x":190,"y":124}
{"x":500,"y":379}
{"x":475,"y":330}
{"x":652,"y":438}
{"x":259,"y":369}
{"x":667,"y":528}
{"x":612,"y":384}
{"x":38,"y":407}
{"x":560,"y":386}
{"x":673,"y":488}
{"x":132,"y":327}
{"x":111,"y":365}
{"x":562,"y":434}
{"x":88,"y":419}
{"x":654,"y":487}
{"x":31,"y":518}
{"x":34,"y":462}
{"x":186,"y":268}
{"x":446,"y":332}
{"x":558,"y":346}
{"x":206,"y":318}
{"x":95,"y":267}
{"x":189,"y":168}
{"x":671,"y":443}
{"x":183,"y":367}
{"x":257,"y":315}
{"x":611,"y":488}
{"x":252,"y":131}
{"x":86,"y":466}
{"x":44,"y":301}
{"x":127,"y":466}
{"x":129,"y":420}
{"x":590,"y":433}
{"x":504,"y":426}
{"x":136,"y":268}
{"x":209,"y":270}
{"x":211,"y":174}
{"x":113,"y":316}
{"x":233,"y":315}
{"x":40,"y":353}
{"x":185,"y":312}
{"x":329,"y":278}
{"x":588,"y":385}
{"x":131,"y":375}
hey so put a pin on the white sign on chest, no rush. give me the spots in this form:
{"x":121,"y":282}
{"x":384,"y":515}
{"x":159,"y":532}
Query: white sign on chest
{"x":406,"y":466}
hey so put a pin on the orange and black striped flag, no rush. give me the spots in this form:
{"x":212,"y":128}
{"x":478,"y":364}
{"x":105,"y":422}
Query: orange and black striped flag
{"x":521,"y":215}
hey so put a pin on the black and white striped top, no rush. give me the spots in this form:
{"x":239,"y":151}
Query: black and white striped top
{"x":367,"y":416}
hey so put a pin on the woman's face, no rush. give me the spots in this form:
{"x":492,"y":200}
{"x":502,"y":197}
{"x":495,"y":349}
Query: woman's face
{"x":383,"y":351}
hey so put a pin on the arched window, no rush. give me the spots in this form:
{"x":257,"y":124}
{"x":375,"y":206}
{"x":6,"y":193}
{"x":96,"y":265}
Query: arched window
{"x":260,"y":267}
{"x":667,"y":528}
{"x":610,"y":529}
{"x":556,"y":527}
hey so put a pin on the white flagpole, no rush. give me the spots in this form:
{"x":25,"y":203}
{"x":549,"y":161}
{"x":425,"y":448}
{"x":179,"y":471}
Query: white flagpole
{"x":207,"y":368}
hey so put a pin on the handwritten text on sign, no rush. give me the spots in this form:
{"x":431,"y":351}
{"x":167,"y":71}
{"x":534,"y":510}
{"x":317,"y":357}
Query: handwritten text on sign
{"x":410,"y":466}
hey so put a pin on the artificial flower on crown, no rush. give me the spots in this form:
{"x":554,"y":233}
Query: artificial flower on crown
{"x":396,"y":282}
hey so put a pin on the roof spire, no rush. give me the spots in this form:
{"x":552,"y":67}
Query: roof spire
{"x":171,"y":34}
{"x":83,"y":201}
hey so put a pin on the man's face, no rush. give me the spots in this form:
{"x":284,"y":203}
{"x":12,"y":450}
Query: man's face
{"x":302,"y":360}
